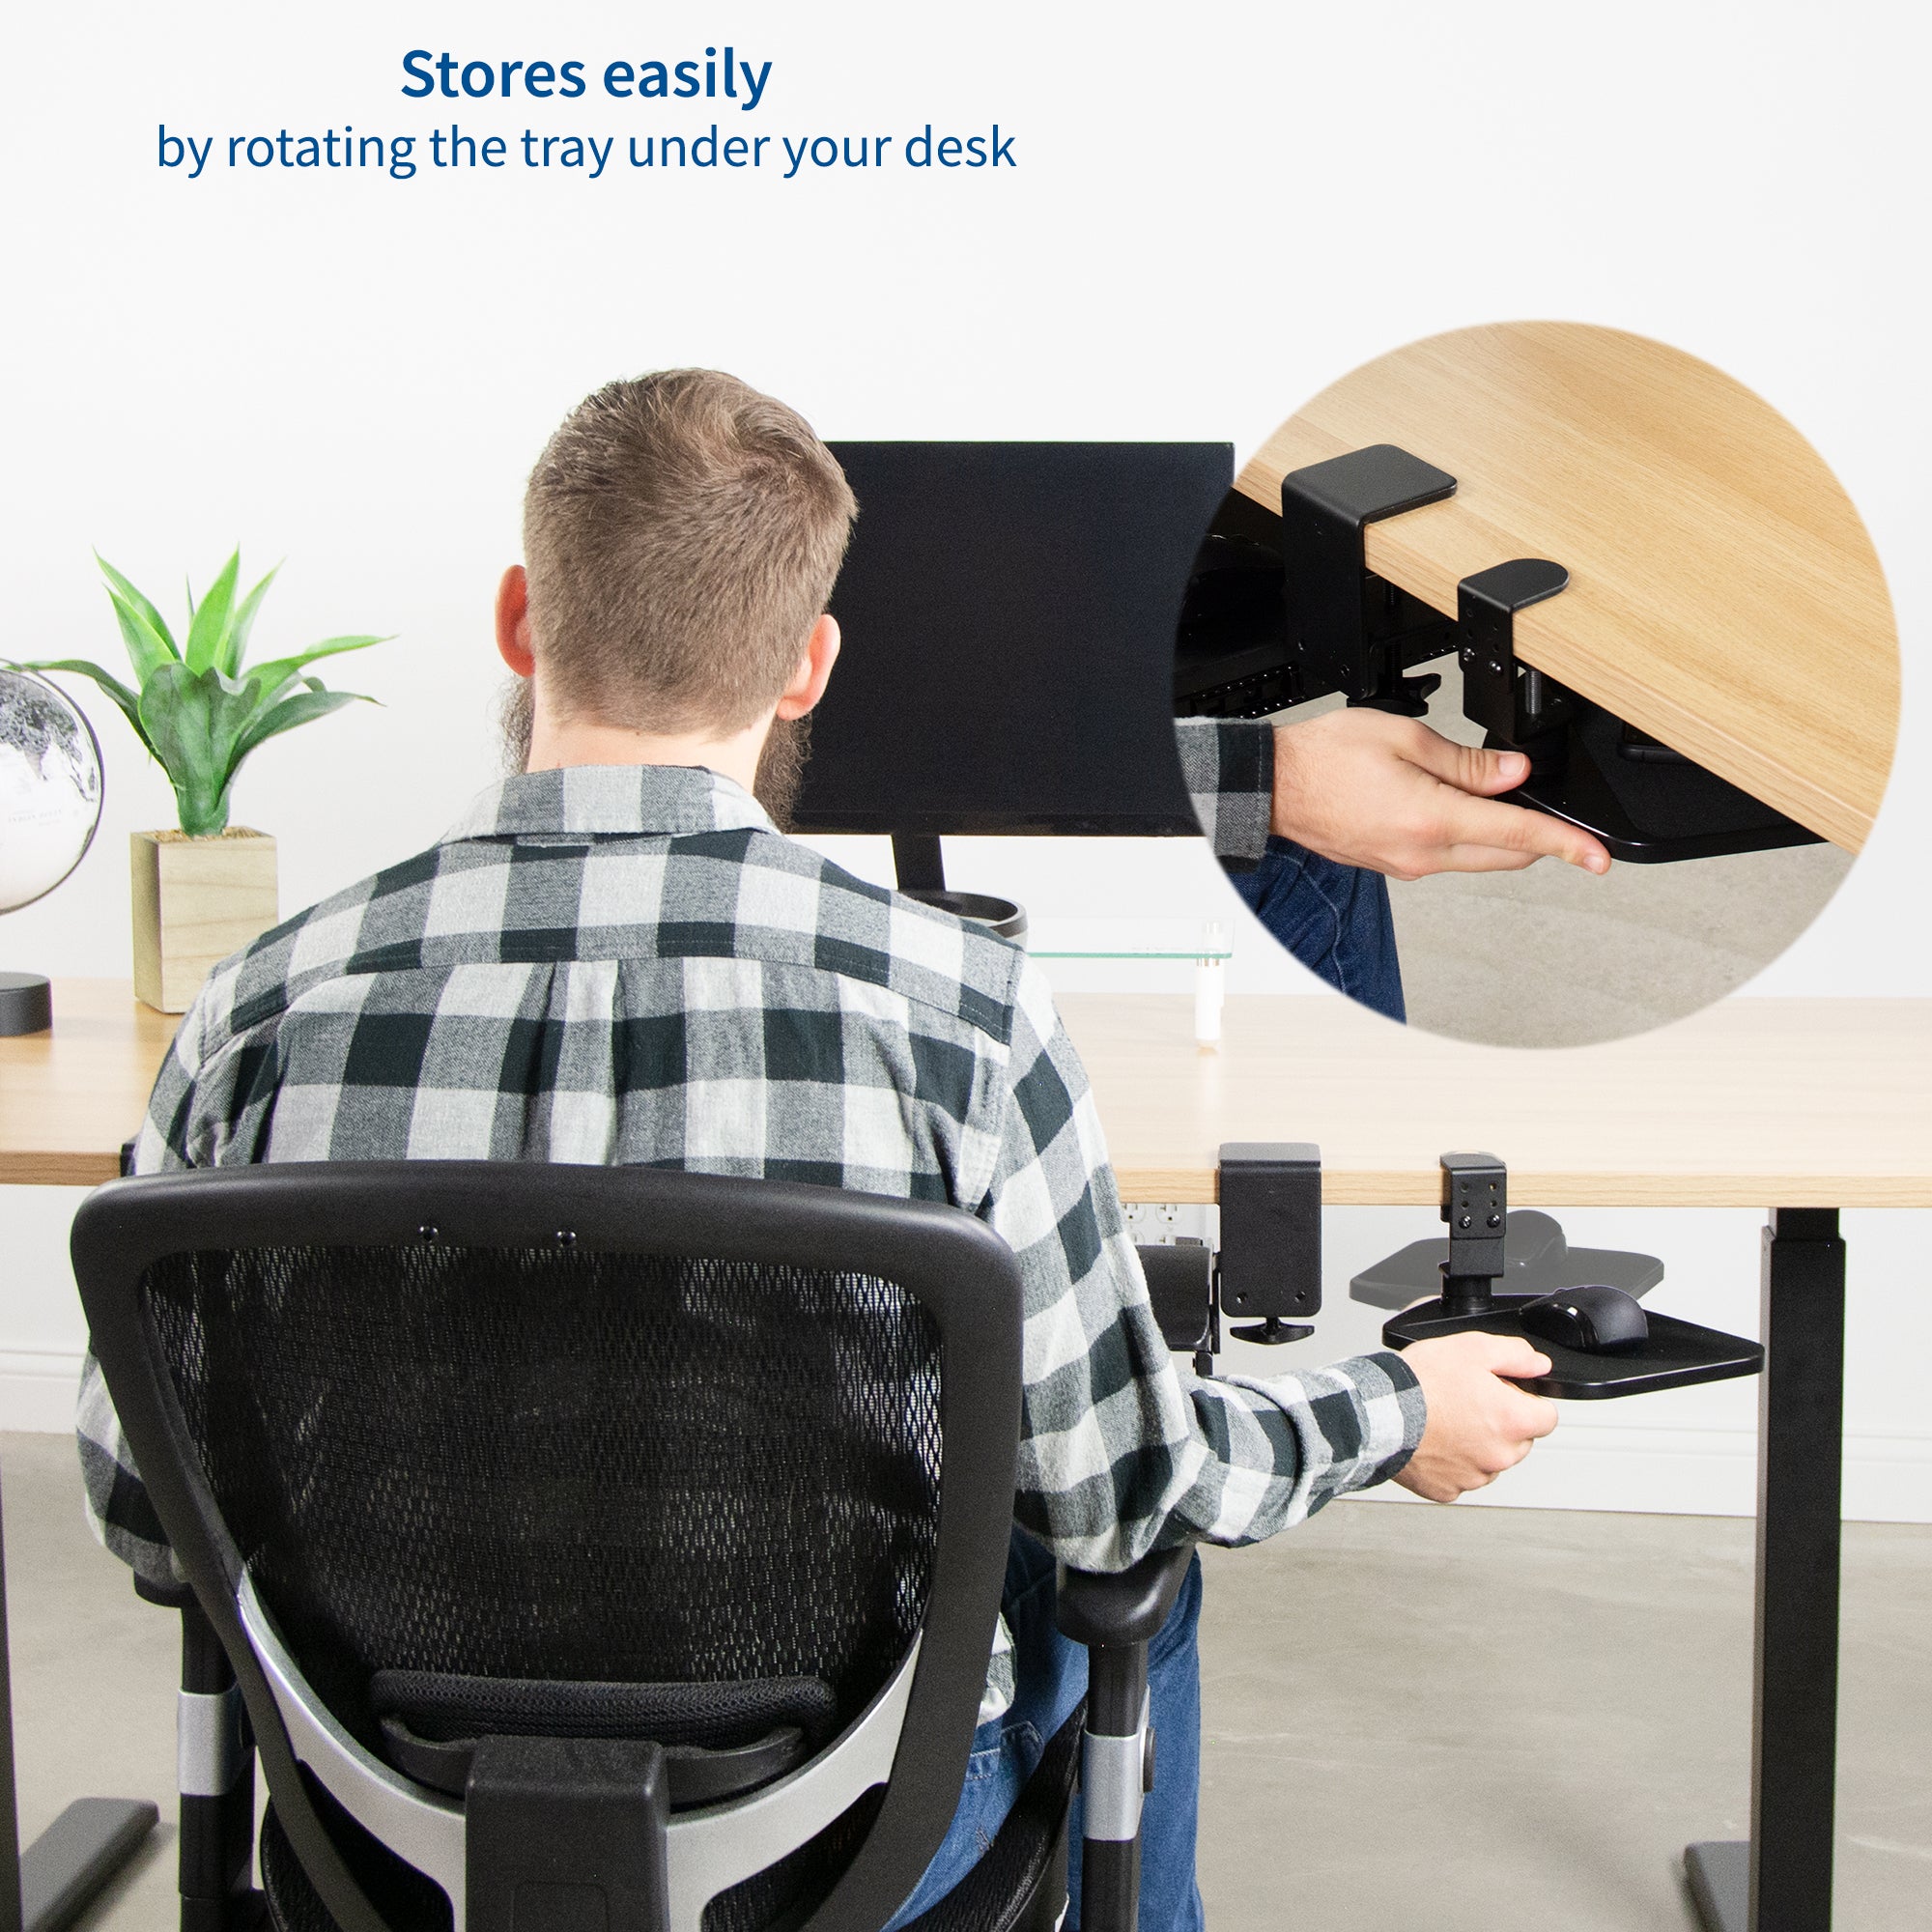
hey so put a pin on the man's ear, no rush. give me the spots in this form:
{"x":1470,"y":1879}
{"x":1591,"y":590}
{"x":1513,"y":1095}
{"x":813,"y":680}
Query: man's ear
{"x":513,"y":621}
{"x":814,"y":669}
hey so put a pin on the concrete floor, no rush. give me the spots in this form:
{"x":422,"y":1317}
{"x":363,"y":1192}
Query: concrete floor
{"x":1500,"y":1720}
{"x":1419,"y":1720}
{"x":1552,"y":956}
{"x":95,"y":1674}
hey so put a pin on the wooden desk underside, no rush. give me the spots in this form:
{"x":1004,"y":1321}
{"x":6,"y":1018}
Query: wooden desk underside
{"x":1723,"y":595}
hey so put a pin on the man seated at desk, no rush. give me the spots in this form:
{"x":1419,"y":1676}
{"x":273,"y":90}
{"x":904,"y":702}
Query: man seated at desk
{"x":614,"y":956}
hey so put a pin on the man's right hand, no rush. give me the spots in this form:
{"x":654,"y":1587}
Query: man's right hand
{"x":1477,"y":1425}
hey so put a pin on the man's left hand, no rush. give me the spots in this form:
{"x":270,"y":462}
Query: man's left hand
{"x":1365,"y":788}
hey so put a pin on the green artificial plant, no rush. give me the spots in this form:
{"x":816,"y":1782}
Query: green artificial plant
{"x":194,"y":706}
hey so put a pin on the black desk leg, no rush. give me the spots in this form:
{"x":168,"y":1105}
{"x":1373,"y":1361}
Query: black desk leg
{"x":76,"y":1855}
{"x":1782,"y":1880}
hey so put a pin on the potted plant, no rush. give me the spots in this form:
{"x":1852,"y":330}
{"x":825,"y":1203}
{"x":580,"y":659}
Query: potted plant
{"x":203,"y":890}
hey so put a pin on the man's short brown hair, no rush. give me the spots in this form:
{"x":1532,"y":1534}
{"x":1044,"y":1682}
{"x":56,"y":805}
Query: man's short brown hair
{"x":681,"y":534}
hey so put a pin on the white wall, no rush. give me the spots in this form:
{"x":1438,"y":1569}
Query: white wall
{"x":1215,"y":214}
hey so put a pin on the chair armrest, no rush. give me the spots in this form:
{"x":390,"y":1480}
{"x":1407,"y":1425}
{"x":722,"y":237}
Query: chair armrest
{"x":1128,"y":1606}
{"x":1116,"y":1617}
{"x":164,"y":1596}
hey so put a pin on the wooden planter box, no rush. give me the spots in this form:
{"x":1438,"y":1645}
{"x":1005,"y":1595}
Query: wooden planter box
{"x":196,"y":900}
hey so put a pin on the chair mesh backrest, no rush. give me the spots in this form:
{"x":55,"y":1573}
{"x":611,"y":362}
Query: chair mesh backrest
{"x":548,"y":1462}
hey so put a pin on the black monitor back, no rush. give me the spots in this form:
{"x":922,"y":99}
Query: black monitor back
{"x":1009,"y":613}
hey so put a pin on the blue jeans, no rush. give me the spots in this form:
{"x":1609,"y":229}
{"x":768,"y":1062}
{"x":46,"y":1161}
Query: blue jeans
{"x":1050,"y":1679}
{"x":1334,"y":919}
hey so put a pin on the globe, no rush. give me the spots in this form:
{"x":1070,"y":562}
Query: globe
{"x":50,"y":806}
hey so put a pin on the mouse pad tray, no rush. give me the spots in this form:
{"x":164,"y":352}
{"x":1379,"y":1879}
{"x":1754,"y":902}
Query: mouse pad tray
{"x":1676,"y":1354}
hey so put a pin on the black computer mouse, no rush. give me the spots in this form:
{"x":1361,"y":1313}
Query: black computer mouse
{"x":1595,"y":1318}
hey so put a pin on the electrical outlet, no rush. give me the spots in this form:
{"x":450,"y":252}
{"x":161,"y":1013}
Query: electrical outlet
{"x":1161,"y":1224}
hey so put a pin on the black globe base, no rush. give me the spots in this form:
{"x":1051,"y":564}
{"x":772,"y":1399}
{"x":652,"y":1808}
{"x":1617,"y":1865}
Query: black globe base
{"x":26,"y":1003}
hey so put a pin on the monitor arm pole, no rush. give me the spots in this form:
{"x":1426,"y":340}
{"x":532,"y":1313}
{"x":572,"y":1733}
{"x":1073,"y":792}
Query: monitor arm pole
{"x":918,"y":863}
{"x":919,"y":867}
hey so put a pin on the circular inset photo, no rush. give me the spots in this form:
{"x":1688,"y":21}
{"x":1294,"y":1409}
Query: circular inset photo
{"x":1537,"y":684}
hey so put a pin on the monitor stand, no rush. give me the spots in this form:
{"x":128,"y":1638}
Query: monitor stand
{"x":921,"y":868}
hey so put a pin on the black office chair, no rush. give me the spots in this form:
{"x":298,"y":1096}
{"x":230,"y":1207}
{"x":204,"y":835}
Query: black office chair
{"x":594,"y":1549}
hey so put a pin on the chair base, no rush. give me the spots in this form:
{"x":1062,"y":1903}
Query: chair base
{"x":1719,"y":1874}
{"x":68,"y":1865}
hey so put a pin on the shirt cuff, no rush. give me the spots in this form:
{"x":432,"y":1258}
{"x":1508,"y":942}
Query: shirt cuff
{"x":1229,"y":767}
{"x":1411,"y":1412}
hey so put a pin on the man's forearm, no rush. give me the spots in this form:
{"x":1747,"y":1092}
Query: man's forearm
{"x":1122,"y":1453}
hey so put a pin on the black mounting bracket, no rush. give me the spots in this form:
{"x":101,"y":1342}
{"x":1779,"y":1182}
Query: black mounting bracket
{"x":567,"y":1832}
{"x":1475,"y":1203}
{"x":1510,"y":701}
{"x":1270,"y":1263}
{"x":1648,"y":804}
{"x":1281,"y":611}
{"x":1270,"y":1260}
{"x":1180,"y":1284}
{"x":1348,"y":629}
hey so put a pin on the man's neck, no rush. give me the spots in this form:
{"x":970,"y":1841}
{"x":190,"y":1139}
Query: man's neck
{"x":557,"y":746}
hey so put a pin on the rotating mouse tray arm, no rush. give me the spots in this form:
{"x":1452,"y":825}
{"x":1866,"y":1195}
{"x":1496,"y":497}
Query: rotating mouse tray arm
{"x":1475,"y":1203}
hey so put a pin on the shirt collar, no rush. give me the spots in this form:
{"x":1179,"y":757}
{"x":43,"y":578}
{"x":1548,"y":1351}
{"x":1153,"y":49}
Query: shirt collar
{"x":586,"y":800}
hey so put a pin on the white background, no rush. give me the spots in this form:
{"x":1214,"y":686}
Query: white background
{"x":1215,"y":213}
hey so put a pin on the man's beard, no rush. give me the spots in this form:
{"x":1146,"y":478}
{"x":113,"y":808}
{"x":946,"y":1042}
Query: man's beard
{"x":781,"y":764}
{"x":516,"y":719}
{"x":781,"y":768}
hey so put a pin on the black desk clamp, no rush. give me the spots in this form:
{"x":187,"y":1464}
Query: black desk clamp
{"x":1348,"y":629}
{"x":1268,"y":1271}
{"x":1475,"y":1203}
{"x":1276,"y":615}
{"x":1645,"y":801}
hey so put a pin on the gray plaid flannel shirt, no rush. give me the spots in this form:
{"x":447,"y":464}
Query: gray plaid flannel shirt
{"x":631,"y":965}
{"x":1229,"y":766}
